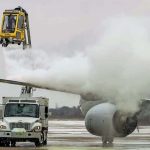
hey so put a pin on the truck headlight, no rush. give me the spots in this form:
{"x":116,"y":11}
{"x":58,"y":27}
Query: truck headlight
{"x":37,"y":128}
{"x":2,"y":127}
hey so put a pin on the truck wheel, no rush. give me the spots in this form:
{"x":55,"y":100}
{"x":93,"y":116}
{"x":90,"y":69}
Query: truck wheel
{"x":2,"y":144}
{"x":13,"y":143}
{"x":7,"y":144}
{"x":45,"y":142}
{"x":39,"y":142}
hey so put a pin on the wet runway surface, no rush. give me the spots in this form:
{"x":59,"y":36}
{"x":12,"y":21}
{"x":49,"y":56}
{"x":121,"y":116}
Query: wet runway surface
{"x":72,"y":135}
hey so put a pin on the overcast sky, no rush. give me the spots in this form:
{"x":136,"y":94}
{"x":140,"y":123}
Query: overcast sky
{"x":64,"y":27}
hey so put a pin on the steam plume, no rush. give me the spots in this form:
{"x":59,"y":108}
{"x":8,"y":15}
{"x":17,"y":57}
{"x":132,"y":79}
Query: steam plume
{"x":117,"y":68}
{"x":2,"y":64}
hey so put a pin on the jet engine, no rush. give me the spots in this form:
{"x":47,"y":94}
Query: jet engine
{"x":106,"y":121}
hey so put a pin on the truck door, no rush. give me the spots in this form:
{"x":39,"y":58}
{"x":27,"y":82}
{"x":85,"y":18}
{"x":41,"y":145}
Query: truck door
{"x":1,"y":111}
{"x":46,"y":115}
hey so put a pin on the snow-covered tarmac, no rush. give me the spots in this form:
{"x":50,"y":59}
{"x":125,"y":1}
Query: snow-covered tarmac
{"x":72,"y":135}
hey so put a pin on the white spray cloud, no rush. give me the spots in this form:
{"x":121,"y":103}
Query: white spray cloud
{"x":2,"y":64}
{"x":120,"y":63}
{"x":116,"y":68}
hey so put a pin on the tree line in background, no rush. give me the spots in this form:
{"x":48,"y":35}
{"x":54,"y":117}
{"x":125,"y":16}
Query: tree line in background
{"x":65,"y":112}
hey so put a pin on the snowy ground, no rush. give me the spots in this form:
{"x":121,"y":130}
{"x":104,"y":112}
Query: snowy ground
{"x":72,"y":135}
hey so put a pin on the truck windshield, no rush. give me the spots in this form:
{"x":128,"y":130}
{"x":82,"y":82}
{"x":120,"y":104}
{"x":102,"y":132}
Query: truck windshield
{"x":21,"y":110}
{"x":9,"y":23}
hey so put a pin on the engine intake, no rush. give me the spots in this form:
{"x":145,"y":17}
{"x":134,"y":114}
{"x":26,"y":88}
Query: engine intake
{"x":104,"y":120}
{"x":124,"y":124}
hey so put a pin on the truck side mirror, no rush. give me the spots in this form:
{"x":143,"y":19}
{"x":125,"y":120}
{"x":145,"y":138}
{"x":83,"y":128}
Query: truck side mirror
{"x":46,"y":112}
{"x":46,"y":115}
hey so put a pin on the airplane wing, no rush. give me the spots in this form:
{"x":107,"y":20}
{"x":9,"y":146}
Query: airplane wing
{"x":85,"y":95}
{"x":36,"y":86}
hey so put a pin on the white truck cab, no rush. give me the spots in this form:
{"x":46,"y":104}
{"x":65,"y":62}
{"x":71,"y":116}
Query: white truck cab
{"x":24,"y":118}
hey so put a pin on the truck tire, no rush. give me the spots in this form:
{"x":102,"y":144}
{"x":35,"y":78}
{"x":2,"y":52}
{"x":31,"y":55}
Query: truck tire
{"x":2,"y":144}
{"x":7,"y":143}
{"x":13,"y":143}
{"x":39,"y":142}
{"x":45,"y":141}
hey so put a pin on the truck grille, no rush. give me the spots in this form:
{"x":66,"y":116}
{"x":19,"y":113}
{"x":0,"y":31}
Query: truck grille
{"x":26,"y":126}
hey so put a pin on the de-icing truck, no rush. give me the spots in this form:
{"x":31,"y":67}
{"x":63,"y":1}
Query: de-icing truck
{"x":24,"y":118}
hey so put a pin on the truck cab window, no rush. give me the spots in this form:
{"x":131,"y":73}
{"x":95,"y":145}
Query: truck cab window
{"x":20,"y":22}
{"x":9,"y":23}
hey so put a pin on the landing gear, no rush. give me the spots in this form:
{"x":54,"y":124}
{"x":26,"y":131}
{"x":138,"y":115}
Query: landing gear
{"x":107,"y":140}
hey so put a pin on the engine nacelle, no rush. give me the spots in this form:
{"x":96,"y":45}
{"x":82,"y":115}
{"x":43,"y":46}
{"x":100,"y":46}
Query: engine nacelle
{"x":104,"y":120}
